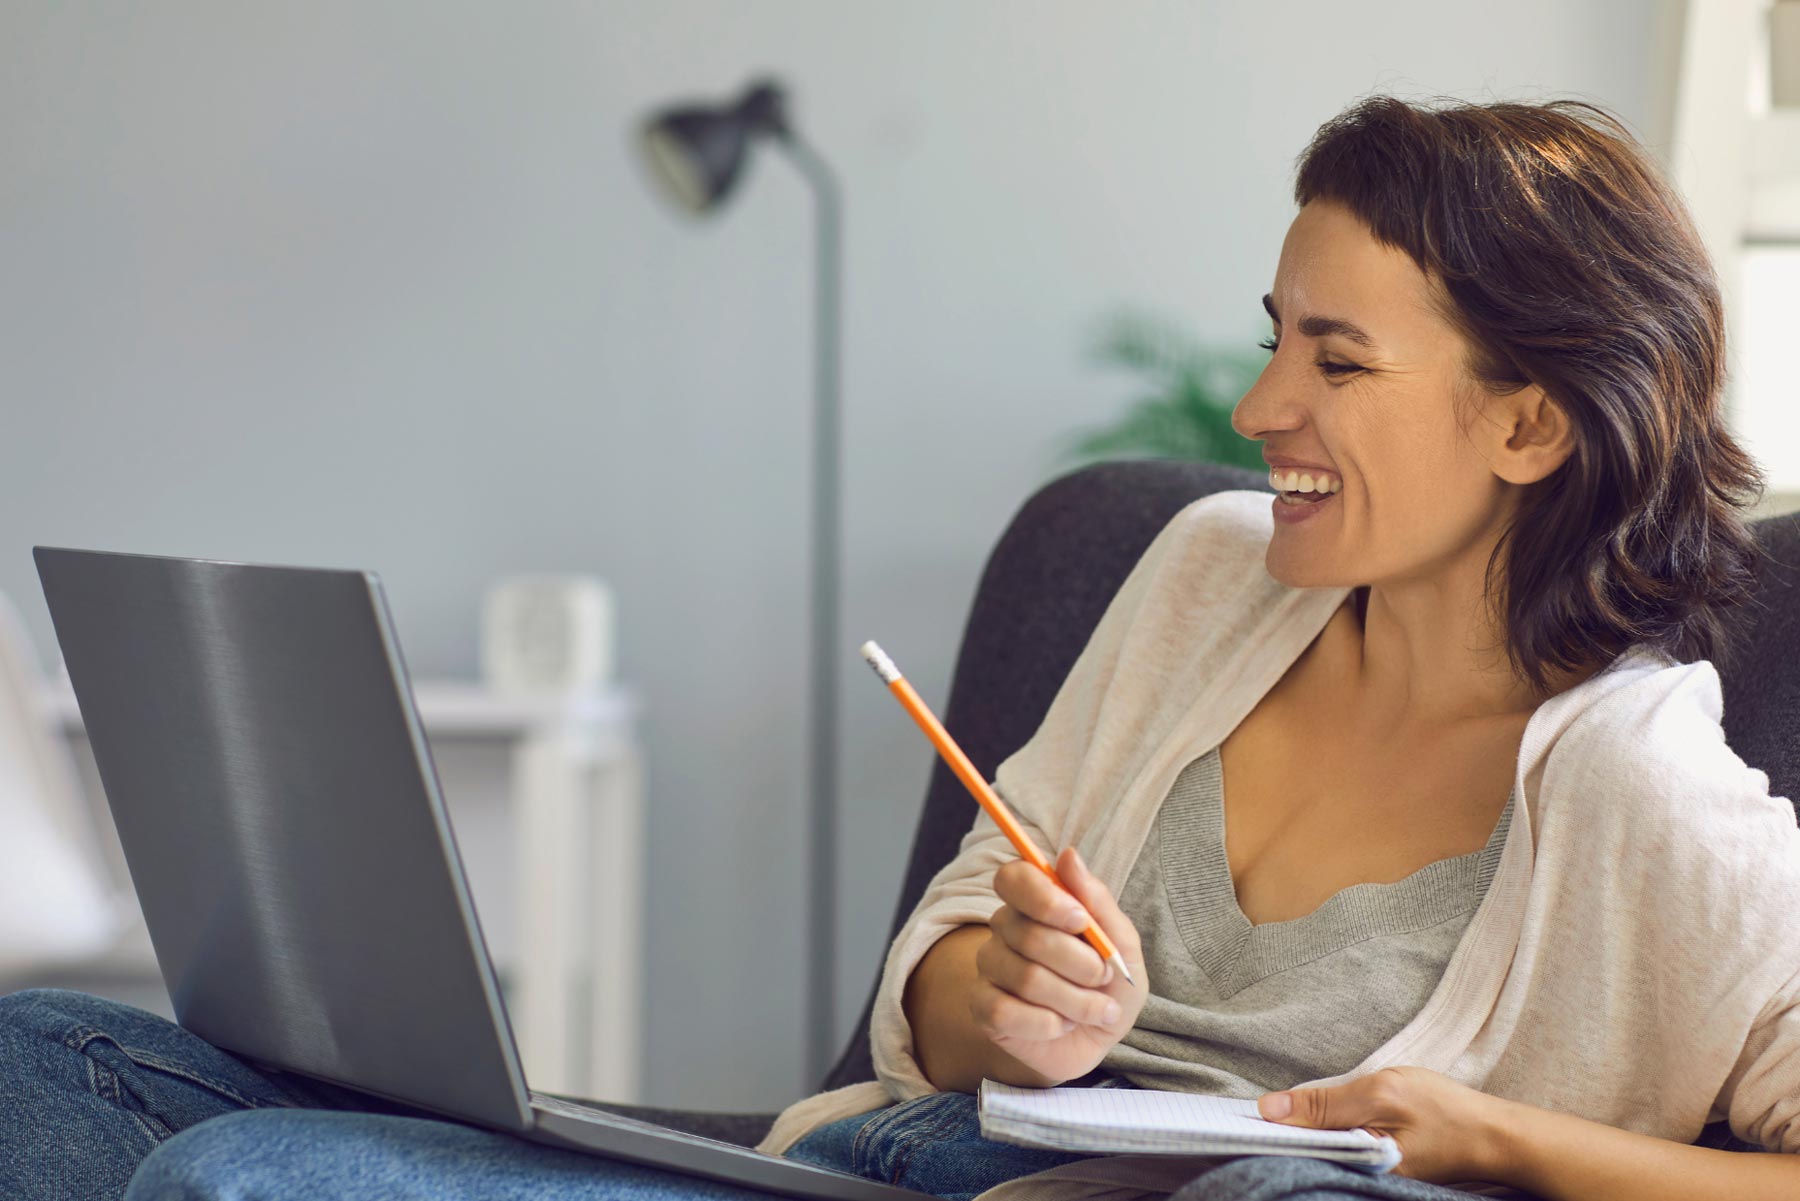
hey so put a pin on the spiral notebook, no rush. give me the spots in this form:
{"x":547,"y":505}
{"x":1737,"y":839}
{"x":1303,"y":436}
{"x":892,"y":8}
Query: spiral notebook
{"x":1146,"y":1121}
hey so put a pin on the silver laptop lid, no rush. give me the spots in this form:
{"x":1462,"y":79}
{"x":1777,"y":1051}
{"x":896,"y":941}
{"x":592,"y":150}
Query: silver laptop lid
{"x":254,"y":730}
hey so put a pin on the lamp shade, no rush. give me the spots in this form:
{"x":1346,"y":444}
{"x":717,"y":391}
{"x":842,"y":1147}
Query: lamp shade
{"x":696,"y":151}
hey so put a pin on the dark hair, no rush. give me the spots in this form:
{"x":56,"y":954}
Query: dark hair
{"x":1562,"y":256}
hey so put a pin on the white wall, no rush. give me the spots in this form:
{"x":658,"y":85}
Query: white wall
{"x":379,"y":285}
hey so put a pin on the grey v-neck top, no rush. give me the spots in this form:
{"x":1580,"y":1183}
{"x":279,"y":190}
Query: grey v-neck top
{"x":1235,"y":1009}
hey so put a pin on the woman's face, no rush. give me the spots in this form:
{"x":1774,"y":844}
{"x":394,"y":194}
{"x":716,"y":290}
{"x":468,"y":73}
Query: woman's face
{"x":1361,"y":383}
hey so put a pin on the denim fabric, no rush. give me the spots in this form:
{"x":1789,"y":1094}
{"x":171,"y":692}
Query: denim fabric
{"x":932,"y":1144}
{"x":89,"y":1087}
{"x":100,"y":1101}
{"x":325,"y":1155}
{"x":278,"y":1155}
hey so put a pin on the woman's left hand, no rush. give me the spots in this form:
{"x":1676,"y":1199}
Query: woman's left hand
{"x":1445,"y":1129}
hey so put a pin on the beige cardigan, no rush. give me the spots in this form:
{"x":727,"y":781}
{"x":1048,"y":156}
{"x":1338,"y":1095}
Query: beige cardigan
{"x":1636,"y":959}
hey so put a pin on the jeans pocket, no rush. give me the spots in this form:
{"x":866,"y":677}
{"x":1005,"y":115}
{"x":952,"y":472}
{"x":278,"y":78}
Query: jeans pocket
{"x":164,"y":1095}
{"x":887,"y":1142}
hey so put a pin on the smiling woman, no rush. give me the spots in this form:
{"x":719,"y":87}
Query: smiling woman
{"x":1413,"y":803}
{"x":1506,"y":309}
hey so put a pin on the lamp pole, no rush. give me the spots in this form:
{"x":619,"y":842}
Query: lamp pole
{"x":826,"y":525}
{"x":696,"y":152}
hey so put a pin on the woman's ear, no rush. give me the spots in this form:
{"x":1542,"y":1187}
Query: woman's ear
{"x":1538,"y":436}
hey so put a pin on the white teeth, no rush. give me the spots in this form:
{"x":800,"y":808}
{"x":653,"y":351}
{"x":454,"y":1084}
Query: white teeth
{"x":1295,"y":481}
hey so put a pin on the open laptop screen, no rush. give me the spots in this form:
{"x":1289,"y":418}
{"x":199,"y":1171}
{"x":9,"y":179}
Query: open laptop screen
{"x":255,"y":733}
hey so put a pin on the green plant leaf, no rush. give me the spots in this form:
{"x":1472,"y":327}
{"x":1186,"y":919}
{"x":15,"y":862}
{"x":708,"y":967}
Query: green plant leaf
{"x":1193,"y":389}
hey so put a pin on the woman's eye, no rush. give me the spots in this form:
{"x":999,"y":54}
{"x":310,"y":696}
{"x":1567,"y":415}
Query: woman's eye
{"x":1270,"y":344}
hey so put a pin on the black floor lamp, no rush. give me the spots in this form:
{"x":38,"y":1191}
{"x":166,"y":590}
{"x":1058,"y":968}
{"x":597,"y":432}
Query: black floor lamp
{"x":695,"y":152}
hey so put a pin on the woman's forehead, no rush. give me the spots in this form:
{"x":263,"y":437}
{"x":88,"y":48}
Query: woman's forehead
{"x":1332,"y":269}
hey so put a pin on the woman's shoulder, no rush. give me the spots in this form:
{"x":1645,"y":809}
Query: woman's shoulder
{"x":1644,"y":707}
{"x":1222,"y":537}
{"x":1238,"y":517}
{"x":1651,"y":741}
{"x":1201,"y":599}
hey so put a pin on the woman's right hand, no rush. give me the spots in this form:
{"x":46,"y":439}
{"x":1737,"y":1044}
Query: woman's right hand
{"x":1042,"y":994}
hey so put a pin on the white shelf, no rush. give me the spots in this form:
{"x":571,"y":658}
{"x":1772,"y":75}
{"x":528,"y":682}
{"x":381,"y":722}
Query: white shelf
{"x":464,"y":708}
{"x":1773,"y":213}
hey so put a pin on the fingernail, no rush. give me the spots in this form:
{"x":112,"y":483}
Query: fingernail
{"x":1107,"y":975}
{"x":1275,"y":1105}
{"x":1068,"y":1025}
{"x":1110,"y":1014}
{"x":1077,"y":920}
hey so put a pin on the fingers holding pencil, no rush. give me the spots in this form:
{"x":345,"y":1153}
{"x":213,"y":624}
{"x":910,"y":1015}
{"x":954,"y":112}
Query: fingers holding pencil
{"x":1102,"y":909}
{"x":1043,"y":994}
{"x":1043,"y":920}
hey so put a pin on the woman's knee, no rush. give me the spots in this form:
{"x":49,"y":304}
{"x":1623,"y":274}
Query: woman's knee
{"x":198,"y":1162}
{"x":267,"y":1154}
{"x":295,"y":1154}
{"x":307,"y":1154}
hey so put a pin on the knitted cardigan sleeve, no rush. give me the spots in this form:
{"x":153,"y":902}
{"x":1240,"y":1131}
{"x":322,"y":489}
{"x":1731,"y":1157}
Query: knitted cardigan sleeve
{"x":1762,"y":1095}
{"x":1734,"y":896}
{"x":1694,"y":928}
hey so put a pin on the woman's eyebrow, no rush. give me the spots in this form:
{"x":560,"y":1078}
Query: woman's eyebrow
{"x":1319,"y":327}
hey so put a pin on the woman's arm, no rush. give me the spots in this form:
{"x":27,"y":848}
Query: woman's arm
{"x":1044,"y":771}
{"x":1560,"y":1157}
{"x":954,"y":1054}
{"x":1450,"y":1133}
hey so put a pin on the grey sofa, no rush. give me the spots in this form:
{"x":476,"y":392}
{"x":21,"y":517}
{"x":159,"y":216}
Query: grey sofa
{"x":1044,"y":588}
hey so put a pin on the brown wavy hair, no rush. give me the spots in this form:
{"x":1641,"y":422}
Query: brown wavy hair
{"x":1560,"y":253}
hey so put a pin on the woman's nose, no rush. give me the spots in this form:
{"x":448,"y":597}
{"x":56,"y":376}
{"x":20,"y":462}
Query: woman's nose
{"x":1264,"y":409}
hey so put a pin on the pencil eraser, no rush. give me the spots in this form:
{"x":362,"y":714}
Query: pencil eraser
{"x":884,"y":666}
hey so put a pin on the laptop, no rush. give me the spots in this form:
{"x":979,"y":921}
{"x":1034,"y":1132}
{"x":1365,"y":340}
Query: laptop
{"x":281,"y":816}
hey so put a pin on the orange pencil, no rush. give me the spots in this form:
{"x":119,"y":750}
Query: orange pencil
{"x":990,"y":800}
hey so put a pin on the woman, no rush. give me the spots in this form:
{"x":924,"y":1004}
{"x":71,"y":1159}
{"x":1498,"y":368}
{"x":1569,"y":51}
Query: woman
{"x":1488,"y":878}
{"x":1498,"y":347}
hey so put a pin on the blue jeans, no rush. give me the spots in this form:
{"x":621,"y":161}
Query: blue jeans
{"x":100,"y":1101}
{"x":931,"y":1144}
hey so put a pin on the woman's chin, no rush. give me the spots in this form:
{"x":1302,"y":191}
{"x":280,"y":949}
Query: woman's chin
{"x":1297,"y":574}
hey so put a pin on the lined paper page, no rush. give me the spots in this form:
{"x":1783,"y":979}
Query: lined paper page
{"x":1157,"y":1121}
